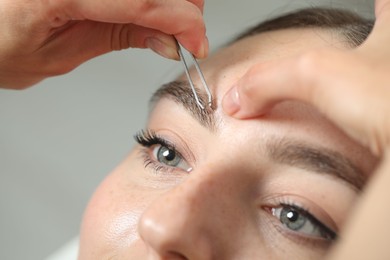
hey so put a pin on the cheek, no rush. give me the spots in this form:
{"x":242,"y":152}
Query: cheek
{"x":110,"y":221}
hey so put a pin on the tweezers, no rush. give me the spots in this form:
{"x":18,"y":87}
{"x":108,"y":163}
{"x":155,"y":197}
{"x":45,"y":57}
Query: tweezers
{"x":187,"y":71}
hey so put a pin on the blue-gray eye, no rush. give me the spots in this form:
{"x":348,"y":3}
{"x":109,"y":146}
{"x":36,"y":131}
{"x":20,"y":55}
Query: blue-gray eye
{"x":292,"y":219}
{"x":302,"y":222}
{"x":170,"y":157}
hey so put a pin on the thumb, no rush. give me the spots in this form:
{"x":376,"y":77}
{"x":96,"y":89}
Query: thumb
{"x":159,"y":42}
{"x":334,"y":82}
{"x":268,"y":83}
{"x":377,"y":42}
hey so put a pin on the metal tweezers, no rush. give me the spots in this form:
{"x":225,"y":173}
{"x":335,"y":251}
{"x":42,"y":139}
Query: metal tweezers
{"x":187,"y":71}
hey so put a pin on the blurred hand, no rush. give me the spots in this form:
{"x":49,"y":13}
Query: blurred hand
{"x":41,"y":38}
{"x":352,"y":88}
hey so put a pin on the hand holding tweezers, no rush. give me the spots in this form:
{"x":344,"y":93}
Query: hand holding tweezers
{"x":202,"y":79}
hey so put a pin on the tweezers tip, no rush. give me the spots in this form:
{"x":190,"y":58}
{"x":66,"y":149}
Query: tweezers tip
{"x":205,"y":86}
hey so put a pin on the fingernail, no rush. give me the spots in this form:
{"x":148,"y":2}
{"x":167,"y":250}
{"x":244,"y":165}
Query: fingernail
{"x":165,"y":47}
{"x":231,"y":101}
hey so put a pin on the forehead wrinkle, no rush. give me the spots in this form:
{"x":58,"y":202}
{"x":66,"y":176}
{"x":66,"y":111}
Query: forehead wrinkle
{"x":181,"y":93}
{"x":315,"y":159}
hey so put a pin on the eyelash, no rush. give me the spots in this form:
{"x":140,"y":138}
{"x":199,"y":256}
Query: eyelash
{"x":329,"y":234}
{"x":148,"y":138}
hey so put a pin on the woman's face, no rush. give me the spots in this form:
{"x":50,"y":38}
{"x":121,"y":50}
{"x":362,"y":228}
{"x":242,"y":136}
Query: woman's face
{"x":207,"y":186}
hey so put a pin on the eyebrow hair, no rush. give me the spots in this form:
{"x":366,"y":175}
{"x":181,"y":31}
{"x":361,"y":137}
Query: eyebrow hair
{"x":315,"y":159}
{"x":181,"y":93}
{"x":294,"y":153}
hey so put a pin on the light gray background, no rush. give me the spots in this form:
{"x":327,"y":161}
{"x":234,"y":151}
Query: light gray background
{"x":59,"y":139}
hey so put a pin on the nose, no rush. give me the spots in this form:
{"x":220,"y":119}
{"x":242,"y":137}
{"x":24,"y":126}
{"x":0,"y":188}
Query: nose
{"x":189,"y":221}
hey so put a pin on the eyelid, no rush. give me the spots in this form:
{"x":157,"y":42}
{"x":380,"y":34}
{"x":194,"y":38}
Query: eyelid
{"x":153,"y":152}
{"x":323,"y":232}
{"x":305,"y":204}
{"x":150,"y":138}
{"x":297,"y":238}
{"x":156,"y":166}
{"x":179,"y":144}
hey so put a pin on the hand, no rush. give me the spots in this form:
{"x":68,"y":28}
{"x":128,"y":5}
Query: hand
{"x":352,"y":88}
{"x":41,"y":38}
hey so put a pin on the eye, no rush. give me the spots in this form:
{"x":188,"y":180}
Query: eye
{"x":170,"y":157}
{"x":298,"y":220}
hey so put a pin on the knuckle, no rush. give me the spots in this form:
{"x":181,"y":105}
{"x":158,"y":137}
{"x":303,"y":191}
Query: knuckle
{"x":308,"y":62}
{"x":122,"y":37}
{"x":312,"y":72}
{"x":308,"y":67}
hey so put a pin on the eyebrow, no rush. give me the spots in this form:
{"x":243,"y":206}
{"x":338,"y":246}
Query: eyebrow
{"x":315,"y":159}
{"x":294,"y":153}
{"x":181,"y":93}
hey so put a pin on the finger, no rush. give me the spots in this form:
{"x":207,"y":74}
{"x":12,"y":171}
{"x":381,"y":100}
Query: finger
{"x":98,"y":38}
{"x":370,"y":217}
{"x":319,"y":78}
{"x":198,"y":3}
{"x":266,"y":84}
{"x":381,"y":6}
{"x":378,"y":41}
{"x":182,"y":19}
{"x":124,"y":36}
{"x":336,"y":83}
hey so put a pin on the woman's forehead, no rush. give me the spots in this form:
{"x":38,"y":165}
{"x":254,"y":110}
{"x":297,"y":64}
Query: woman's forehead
{"x":229,"y":64}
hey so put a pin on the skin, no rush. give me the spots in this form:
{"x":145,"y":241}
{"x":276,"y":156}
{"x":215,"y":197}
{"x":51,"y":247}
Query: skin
{"x":42,"y":38}
{"x":324,"y":78}
{"x":222,"y":208}
{"x":352,"y":89}
{"x":36,"y":33}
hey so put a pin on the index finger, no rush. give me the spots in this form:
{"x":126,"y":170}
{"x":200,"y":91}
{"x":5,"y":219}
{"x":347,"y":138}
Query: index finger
{"x":182,"y":19}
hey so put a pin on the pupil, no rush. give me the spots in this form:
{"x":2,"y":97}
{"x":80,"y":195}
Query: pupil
{"x":292,"y":215}
{"x":169,"y":154}
{"x":292,"y":218}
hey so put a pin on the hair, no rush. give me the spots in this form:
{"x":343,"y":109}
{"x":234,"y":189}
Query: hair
{"x":352,"y":26}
